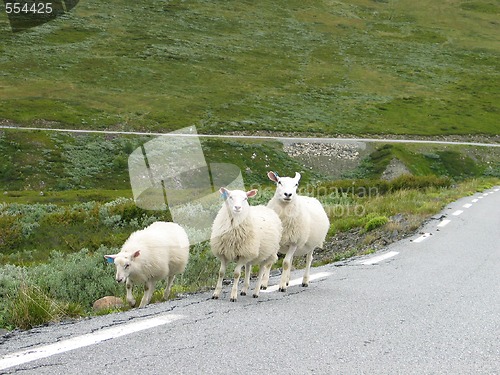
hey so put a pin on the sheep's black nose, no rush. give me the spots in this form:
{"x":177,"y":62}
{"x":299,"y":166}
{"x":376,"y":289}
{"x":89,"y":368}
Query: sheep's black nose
{"x":288,"y":195}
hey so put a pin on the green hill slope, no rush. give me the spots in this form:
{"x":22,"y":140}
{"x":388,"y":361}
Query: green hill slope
{"x":329,"y":67}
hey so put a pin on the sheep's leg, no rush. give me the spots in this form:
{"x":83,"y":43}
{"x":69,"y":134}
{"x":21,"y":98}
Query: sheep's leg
{"x":130,"y":297}
{"x":264,"y":270}
{"x":170,"y":281}
{"x":265,"y":279}
{"x":222,"y":272}
{"x":149,"y":288}
{"x":246,"y":284}
{"x":267,"y":271}
{"x":287,"y":265}
{"x":237,"y":274}
{"x":309,"y":259}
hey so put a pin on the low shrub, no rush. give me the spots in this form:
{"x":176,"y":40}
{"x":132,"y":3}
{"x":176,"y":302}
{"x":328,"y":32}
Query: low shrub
{"x":376,"y":222}
{"x":82,"y":277}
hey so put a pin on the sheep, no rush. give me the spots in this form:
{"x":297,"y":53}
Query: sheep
{"x":247,"y":235}
{"x":158,"y":252}
{"x":305,"y":224}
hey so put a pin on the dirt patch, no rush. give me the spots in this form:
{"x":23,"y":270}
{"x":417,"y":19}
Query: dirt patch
{"x":395,"y":169}
{"x":331,"y":159}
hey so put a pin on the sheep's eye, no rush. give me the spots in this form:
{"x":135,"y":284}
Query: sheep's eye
{"x":296,"y":185}
{"x":127,"y":266}
{"x":279,"y":182}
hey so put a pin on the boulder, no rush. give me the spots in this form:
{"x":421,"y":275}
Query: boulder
{"x":108,"y":302}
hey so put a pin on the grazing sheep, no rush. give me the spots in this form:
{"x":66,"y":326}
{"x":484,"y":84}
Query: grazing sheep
{"x":305,"y":224}
{"x":247,"y":235}
{"x":158,"y":252}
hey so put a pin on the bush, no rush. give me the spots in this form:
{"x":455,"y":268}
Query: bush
{"x":376,"y":222}
{"x":80,"y":277}
{"x":201,"y":270}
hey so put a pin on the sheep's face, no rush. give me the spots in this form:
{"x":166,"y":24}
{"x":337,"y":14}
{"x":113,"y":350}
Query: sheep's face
{"x":237,"y":200}
{"x":123,"y":263}
{"x":286,"y":187}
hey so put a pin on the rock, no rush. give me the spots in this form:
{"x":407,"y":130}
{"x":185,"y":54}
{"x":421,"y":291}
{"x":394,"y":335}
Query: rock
{"x":108,"y":302}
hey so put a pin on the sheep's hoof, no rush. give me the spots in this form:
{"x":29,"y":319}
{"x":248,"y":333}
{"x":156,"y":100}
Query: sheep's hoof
{"x":282,"y":290}
{"x":305,"y":285}
{"x":263,"y":287}
{"x":233,"y":299}
{"x":215,"y":297}
{"x":243,"y":293}
{"x":255,"y":296}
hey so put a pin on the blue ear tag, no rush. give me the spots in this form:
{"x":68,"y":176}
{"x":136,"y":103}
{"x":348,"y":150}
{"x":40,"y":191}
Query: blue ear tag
{"x":110,"y":260}
{"x":224,"y":195}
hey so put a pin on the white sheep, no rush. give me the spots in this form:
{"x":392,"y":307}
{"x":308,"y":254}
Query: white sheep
{"x":158,"y":252}
{"x":305,"y":224}
{"x":247,"y":235}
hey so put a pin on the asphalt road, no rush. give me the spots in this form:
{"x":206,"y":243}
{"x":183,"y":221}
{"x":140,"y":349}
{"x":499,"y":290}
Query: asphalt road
{"x":429,"y":304}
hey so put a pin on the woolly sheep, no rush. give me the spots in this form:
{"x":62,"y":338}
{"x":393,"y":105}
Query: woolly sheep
{"x":247,"y":235}
{"x":158,"y":252}
{"x":305,"y":224}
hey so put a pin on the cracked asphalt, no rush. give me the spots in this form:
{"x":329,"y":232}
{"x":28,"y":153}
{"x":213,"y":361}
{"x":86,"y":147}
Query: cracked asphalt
{"x":431,"y":308}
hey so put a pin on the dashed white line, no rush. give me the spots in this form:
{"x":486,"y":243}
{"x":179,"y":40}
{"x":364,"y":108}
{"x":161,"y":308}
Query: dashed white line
{"x":481,"y":197}
{"x":475,"y":200}
{"x":422,"y":237}
{"x":298,"y":281}
{"x":33,"y":354}
{"x":379,"y":258}
{"x":444,"y":223}
{"x":467,"y":205}
{"x":485,"y":194}
{"x":497,"y":189}
{"x":457,"y":212}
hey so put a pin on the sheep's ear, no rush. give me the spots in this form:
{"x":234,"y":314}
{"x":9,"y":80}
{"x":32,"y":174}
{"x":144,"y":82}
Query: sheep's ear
{"x":136,"y":254}
{"x":252,"y":193}
{"x":297,"y":176}
{"x":110,"y":258}
{"x":273,"y":176}
{"x":224,"y":192}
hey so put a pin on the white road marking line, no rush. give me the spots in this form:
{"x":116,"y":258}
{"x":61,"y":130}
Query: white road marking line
{"x":33,"y":354}
{"x":298,"y":281}
{"x":481,"y":197}
{"x":379,"y":258}
{"x":485,"y":194}
{"x":457,"y":212}
{"x":467,"y":205}
{"x":497,"y":189}
{"x":444,"y":223}
{"x":475,"y":200}
{"x":422,"y":237}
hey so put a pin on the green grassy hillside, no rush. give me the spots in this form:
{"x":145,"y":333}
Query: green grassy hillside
{"x":329,"y":67}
